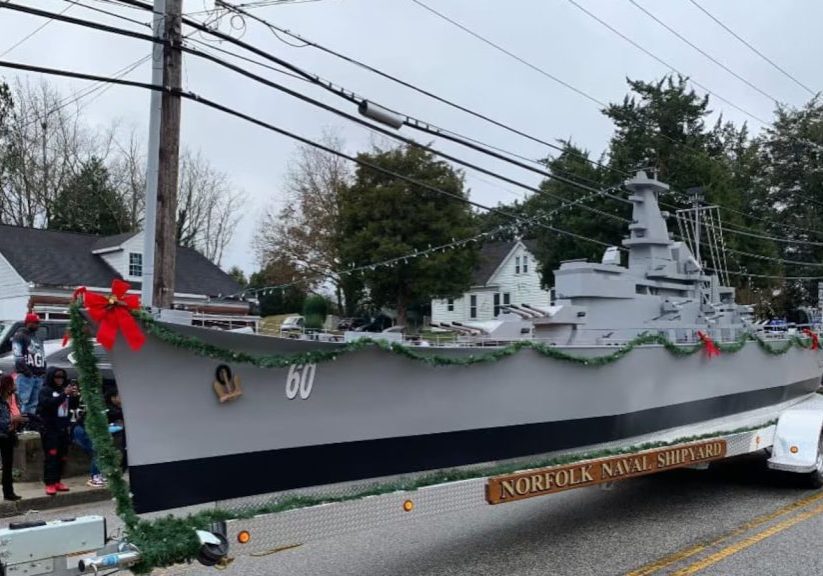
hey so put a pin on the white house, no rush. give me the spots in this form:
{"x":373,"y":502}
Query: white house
{"x":506,"y":273}
{"x":39,"y":270}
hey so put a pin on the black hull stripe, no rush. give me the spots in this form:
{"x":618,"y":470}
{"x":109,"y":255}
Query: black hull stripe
{"x":186,"y":482}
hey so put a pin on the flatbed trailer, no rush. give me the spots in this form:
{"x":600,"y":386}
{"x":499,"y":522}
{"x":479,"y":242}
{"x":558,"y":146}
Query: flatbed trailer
{"x":791,"y":434}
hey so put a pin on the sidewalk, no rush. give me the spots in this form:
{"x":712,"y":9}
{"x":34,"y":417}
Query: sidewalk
{"x":35,"y":498}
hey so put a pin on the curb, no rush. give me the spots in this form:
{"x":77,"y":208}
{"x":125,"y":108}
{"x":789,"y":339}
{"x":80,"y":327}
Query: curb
{"x":64,"y":500}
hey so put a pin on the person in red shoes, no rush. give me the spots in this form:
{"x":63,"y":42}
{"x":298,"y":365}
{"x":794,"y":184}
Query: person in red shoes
{"x":53,"y":411}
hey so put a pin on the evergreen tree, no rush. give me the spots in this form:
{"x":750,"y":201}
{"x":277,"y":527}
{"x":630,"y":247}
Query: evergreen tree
{"x":383,"y":217}
{"x":237,"y":273}
{"x":791,"y":154}
{"x":273,"y":299}
{"x":89,"y":203}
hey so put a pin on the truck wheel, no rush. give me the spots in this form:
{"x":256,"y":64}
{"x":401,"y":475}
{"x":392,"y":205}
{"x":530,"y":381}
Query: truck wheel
{"x":815,"y":477}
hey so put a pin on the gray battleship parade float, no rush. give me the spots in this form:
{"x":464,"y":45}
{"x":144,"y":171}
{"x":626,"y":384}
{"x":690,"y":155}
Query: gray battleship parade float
{"x":622,"y":351}
{"x":630,"y":370}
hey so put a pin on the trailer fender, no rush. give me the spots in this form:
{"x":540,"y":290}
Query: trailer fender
{"x":797,"y":441}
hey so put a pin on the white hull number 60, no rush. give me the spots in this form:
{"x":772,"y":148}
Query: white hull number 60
{"x":300,"y":379}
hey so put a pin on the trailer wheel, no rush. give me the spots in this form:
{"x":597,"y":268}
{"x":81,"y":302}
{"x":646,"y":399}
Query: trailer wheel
{"x":815,"y":477}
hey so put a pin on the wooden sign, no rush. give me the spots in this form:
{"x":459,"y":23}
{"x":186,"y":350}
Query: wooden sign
{"x":501,"y":489}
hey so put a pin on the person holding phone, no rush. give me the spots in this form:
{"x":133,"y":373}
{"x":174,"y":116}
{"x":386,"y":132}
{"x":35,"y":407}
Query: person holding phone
{"x":10,"y":421}
{"x":53,"y":410}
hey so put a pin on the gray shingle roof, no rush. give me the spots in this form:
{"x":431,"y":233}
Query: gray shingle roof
{"x":104,"y":242}
{"x":491,"y":256}
{"x":51,"y":258}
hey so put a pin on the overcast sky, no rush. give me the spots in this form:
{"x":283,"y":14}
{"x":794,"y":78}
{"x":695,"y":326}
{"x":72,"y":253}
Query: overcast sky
{"x":407,"y":41}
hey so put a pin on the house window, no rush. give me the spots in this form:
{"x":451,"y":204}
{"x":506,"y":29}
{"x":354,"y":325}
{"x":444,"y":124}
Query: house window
{"x":135,"y":264}
{"x":507,"y":298}
{"x":496,"y":304}
{"x":473,"y":306}
{"x":517,"y":264}
{"x":450,"y":304}
{"x":525,"y":264}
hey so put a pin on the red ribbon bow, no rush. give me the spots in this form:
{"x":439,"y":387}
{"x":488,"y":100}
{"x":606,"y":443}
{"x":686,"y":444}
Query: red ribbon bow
{"x":813,"y":335}
{"x":113,"y":313}
{"x":709,"y":345}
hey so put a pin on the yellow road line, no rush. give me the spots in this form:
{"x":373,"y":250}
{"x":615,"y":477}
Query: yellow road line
{"x":680,"y":555}
{"x":750,"y":541}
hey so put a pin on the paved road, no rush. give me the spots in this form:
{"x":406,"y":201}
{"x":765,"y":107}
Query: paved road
{"x":738,"y":519}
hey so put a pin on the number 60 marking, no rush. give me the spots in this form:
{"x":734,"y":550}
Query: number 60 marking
{"x":300,"y":379}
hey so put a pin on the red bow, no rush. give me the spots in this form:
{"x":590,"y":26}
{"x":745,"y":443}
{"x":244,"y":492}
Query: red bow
{"x":813,"y":335}
{"x":708,"y":344}
{"x":113,"y":313}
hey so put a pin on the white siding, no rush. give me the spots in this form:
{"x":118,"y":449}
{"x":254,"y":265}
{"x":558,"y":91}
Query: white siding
{"x":133,"y":244}
{"x":115,"y":260}
{"x":14,"y":292}
{"x":119,"y":260}
{"x":522,"y":287}
{"x":441,"y":313}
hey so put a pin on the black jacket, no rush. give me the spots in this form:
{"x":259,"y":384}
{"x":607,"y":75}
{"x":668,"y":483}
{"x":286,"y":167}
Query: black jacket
{"x":29,"y":356}
{"x":53,"y":404}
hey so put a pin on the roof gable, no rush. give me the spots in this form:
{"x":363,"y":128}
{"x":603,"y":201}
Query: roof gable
{"x":493,"y":255}
{"x":66,"y":259}
{"x":106,"y":243}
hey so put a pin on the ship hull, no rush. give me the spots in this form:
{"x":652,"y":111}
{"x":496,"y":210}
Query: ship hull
{"x":373,"y":413}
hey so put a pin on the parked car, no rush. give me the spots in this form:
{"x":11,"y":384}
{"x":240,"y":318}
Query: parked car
{"x":293,"y":324}
{"x":379,"y":324}
{"x":61,"y":356}
{"x":352,"y":323}
{"x":49,"y":330}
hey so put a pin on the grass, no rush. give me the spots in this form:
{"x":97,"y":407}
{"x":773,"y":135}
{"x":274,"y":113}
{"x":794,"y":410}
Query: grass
{"x":271,"y":324}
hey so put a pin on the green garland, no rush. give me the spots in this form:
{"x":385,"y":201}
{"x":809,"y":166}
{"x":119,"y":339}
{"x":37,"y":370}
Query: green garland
{"x":172,"y":540}
{"x":96,"y":423}
{"x":201,"y":348}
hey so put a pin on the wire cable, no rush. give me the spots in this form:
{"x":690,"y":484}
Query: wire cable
{"x":703,"y":52}
{"x":753,"y":49}
{"x":664,"y":63}
{"x":302,"y":139}
{"x":317,"y":103}
{"x":32,"y":33}
{"x":362,"y":122}
{"x":109,"y":13}
{"x":401,"y":82}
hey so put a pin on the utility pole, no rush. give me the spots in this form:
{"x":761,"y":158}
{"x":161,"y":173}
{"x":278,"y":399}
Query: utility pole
{"x":152,"y":159}
{"x":45,"y":191}
{"x":164,"y":155}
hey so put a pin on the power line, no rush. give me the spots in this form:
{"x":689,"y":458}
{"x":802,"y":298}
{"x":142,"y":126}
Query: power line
{"x":306,"y":42}
{"x":410,"y":86}
{"x":703,"y":52}
{"x":32,"y":33}
{"x":109,"y":13}
{"x":500,"y":48}
{"x":317,"y":103}
{"x":360,"y":121}
{"x":753,"y":49}
{"x":664,"y":63}
{"x":339,"y":91}
{"x":263,"y":124}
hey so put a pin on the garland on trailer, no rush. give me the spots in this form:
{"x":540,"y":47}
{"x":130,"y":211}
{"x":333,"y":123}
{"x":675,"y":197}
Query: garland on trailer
{"x":197,"y":346}
{"x":172,"y":540}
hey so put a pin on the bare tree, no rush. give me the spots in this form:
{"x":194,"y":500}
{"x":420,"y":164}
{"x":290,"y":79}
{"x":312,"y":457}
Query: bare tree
{"x":305,"y":230}
{"x":128,"y":175}
{"x":47,"y":144}
{"x":208,"y":208}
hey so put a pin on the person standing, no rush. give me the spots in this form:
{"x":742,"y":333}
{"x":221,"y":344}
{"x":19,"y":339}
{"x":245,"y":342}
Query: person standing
{"x":29,"y":363}
{"x":55,"y":422}
{"x":10,"y":420}
{"x":81,"y":437}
